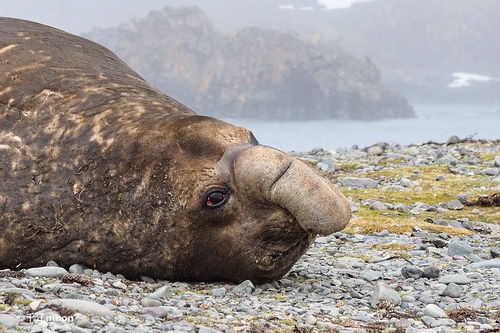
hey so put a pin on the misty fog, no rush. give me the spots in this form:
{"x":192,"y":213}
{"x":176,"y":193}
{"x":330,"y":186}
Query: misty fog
{"x":302,"y":73}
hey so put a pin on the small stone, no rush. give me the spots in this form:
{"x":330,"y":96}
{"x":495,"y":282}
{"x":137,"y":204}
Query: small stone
{"x":246,"y":287}
{"x":453,"y":290}
{"x":219,"y":292}
{"x":81,"y":320}
{"x":408,"y":299}
{"x":150,"y":302}
{"x":412,"y":272}
{"x":455,"y":205}
{"x":496,"y":162}
{"x":486,"y":327}
{"x":52,"y":263}
{"x":355,"y":182}
{"x":118,"y":284}
{"x":204,"y":329}
{"x":434,"y":311}
{"x":492,"y":263}
{"x":147,"y":279}
{"x":108,"y":276}
{"x":77,"y":269}
{"x":443,"y":322}
{"x":370,"y":275}
{"x":377,"y":205}
{"x":311,"y":320}
{"x":162,"y":292}
{"x":82,"y":306}
{"x":459,"y":248}
{"x":438,"y":243}
{"x":317,"y":151}
{"x":327,"y":165}
{"x":405,"y":182}
{"x":454,"y":278}
{"x":431,"y":272}
{"x":453,"y":140}
{"x":382,"y":233}
{"x":491,"y":171}
{"x":428,"y":320}
{"x":8,"y":321}
{"x":375,"y":150}
{"x":495,"y":252}
{"x":383,"y":292}
{"x":462,"y":197}
{"x":439,"y":178}
{"x":163,"y":311}
{"x":46,"y":271}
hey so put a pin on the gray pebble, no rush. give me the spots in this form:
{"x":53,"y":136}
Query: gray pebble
{"x":412,"y":272}
{"x":219,"y":292}
{"x":491,"y":171}
{"x":496,"y":161}
{"x":383,"y":292}
{"x":355,"y":182}
{"x":434,"y":311}
{"x":495,"y":252}
{"x":370,"y":275}
{"x":455,"y":205}
{"x":453,"y":290}
{"x":454,"y":278}
{"x":459,"y":248}
{"x":246,"y":287}
{"x":77,"y":269}
{"x":492,"y":263}
{"x":83,"y":306}
{"x":381,"y":233}
{"x":453,"y":140}
{"x":431,"y":272}
{"x":8,"y":321}
{"x":46,"y":271}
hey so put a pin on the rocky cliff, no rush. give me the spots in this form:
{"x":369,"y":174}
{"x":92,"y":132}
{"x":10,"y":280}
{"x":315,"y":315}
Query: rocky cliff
{"x":417,"y":44}
{"x":251,"y":72}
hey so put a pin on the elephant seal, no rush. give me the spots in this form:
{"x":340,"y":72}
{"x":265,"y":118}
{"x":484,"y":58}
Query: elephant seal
{"x":100,"y":168}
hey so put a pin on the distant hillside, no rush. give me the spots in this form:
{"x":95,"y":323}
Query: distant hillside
{"x":417,"y":44}
{"x":252,"y":72}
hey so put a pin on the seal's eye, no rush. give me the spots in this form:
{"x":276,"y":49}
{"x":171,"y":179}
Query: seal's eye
{"x":216,"y":198}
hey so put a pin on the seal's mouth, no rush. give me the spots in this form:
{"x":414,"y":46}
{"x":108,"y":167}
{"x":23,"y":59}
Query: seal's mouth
{"x":277,"y":259}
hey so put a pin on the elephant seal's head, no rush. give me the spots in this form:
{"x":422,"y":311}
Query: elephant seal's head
{"x":245,"y":211}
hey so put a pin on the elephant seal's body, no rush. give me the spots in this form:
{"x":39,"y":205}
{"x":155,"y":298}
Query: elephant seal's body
{"x":98,"y":167}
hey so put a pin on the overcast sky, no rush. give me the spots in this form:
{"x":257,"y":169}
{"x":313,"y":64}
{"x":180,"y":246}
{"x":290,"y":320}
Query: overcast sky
{"x":78,"y":16}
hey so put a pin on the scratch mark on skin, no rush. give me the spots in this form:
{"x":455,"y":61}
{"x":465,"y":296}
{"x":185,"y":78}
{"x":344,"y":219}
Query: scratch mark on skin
{"x":7,"y":48}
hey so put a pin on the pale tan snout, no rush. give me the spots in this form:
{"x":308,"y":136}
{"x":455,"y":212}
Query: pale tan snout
{"x":317,"y":205}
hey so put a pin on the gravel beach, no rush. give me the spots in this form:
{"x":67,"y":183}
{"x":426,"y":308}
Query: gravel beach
{"x":422,"y":254}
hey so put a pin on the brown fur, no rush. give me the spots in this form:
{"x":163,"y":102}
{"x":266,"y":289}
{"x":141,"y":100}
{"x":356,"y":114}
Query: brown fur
{"x":98,"y":167}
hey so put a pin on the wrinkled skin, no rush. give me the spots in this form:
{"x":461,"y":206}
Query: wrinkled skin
{"x":98,"y":167}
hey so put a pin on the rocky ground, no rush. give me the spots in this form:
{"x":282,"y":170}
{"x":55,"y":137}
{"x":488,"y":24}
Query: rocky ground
{"x":421,"y":255}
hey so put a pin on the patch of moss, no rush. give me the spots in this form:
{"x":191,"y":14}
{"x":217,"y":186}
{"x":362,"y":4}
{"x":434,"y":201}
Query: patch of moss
{"x":394,"y":247}
{"x":365,"y":258}
{"x":194,"y":320}
{"x":489,"y":156}
{"x":22,"y":301}
{"x":286,"y":322}
{"x":346,"y":167}
{"x":340,"y":303}
{"x":276,"y":296}
{"x":389,"y":161}
{"x":398,"y":225}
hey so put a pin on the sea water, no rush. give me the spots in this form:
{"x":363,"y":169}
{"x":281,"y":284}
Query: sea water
{"x":432,"y":123}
